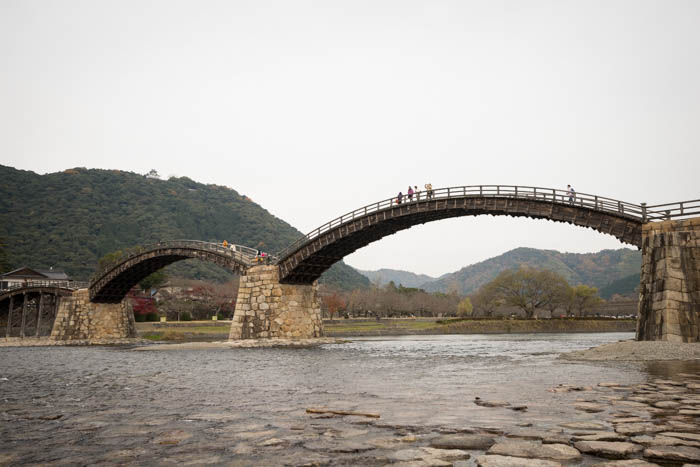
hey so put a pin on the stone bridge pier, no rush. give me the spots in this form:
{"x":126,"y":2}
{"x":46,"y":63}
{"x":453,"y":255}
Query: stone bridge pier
{"x":267,"y":309}
{"x":669,"y":300}
{"x":79,"y":319}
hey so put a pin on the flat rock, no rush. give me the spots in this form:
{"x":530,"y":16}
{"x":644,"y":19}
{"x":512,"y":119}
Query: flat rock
{"x":485,"y":403}
{"x":592,"y":426}
{"x":693,"y":412}
{"x":446,"y":454}
{"x":666,"y":405}
{"x":673,"y":453}
{"x":627,"y":419}
{"x":479,"y":442}
{"x":509,"y":461}
{"x":535,"y":449}
{"x":688,"y":436}
{"x":663,"y":441}
{"x":612,"y":450}
{"x":547,"y":437}
{"x":636,"y":428}
{"x":590,"y":407}
{"x":625,"y":463}
{"x":600,"y":436}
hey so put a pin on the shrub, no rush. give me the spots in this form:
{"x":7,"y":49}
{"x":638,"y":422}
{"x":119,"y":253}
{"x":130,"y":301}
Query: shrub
{"x":185,"y":316}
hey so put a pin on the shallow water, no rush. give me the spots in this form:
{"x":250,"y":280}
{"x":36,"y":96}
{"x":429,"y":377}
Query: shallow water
{"x":91,"y":405}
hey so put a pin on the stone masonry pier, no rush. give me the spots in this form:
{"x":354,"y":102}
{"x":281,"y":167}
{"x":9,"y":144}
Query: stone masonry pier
{"x":79,"y":319}
{"x":267,"y":309}
{"x":669,"y":301}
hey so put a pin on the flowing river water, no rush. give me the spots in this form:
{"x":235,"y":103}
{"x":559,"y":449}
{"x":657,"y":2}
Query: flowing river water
{"x":112,"y":405}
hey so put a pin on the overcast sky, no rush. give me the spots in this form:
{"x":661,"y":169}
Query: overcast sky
{"x":315,"y":108}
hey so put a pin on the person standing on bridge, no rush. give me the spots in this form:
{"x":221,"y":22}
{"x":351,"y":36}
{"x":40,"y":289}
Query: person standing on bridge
{"x":571,"y":193}
{"x":429,"y":190}
{"x":410,"y":193}
{"x":399,"y":197}
{"x":417,"y":192}
{"x":225,"y":244}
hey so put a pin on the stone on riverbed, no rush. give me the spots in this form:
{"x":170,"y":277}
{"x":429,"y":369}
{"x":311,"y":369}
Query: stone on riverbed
{"x":535,"y":449}
{"x":600,"y":436}
{"x":479,"y":442}
{"x":490,"y":460}
{"x":592,"y":426}
{"x":659,"y":440}
{"x":611,"y":450}
{"x":673,"y":453}
{"x":485,"y":403}
{"x":547,"y":437}
{"x":688,"y":436}
{"x":590,"y":407}
{"x":625,"y":463}
{"x":637,"y":428}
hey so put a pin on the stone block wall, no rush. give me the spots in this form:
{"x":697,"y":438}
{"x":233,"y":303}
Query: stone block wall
{"x":79,"y":319}
{"x":267,"y":309}
{"x":669,"y":300}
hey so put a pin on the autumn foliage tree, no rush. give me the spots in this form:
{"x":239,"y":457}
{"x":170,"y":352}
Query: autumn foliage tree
{"x":333,"y":303}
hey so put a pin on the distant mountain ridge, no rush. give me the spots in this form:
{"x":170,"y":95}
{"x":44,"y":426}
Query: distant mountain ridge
{"x":68,"y":220}
{"x":382,"y":277}
{"x":596,"y":269}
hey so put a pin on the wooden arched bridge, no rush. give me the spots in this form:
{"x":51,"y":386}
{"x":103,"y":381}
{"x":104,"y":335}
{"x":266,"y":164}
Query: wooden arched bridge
{"x":114,"y":280}
{"x":278,"y":298}
{"x":306,"y":259}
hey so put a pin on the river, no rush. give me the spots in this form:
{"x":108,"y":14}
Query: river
{"x":111,"y":405}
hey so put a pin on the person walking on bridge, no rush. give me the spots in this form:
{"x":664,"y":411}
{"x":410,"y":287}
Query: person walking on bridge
{"x":571,"y":193}
{"x":410,"y":193}
{"x":399,"y":197}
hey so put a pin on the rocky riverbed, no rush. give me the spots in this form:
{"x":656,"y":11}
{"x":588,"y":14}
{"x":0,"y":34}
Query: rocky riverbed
{"x":436,"y":400}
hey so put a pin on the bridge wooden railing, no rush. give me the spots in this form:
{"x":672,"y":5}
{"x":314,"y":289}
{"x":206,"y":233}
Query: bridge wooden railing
{"x":242,"y":254}
{"x":661,"y":212}
{"x":640,"y":212}
{"x":60,"y":284}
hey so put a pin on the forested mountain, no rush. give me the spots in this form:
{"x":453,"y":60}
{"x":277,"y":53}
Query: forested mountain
{"x":594,"y":269}
{"x":382,"y":277}
{"x":70,"y":219}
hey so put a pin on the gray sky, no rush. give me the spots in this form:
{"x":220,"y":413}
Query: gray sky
{"x":315,"y":108}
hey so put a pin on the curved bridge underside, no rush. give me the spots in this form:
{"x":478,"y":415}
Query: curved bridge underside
{"x":113,"y":283}
{"x":309,"y":260}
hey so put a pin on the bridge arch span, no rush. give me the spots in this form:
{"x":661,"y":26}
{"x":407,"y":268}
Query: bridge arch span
{"x":113,"y":281}
{"x":306,"y":259}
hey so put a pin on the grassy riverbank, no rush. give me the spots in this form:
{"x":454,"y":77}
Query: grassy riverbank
{"x":218,"y":330}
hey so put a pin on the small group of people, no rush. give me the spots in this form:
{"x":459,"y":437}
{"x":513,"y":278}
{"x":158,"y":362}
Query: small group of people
{"x":414,"y":191}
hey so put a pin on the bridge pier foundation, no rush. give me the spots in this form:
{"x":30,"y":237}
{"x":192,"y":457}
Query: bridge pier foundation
{"x":669,"y":300}
{"x":267,"y":309}
{"x":80,"y":319}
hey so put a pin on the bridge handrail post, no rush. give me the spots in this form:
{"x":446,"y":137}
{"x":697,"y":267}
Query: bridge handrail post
{"x":644,"y":212}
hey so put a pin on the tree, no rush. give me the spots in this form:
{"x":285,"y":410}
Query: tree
{"x":153,"y":280}
{"x":465,"y":308}
{"x":486,"y":300}
{"x":5,"y":265}
{"x":333,"y":303}
{"x":526,"y":288}
{"x":584,"y":298}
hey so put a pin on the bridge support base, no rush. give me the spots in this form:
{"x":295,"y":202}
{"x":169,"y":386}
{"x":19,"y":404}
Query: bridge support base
{"x":669,"y":300}
{"x":267,"y":309}
{"x":79,"y":319}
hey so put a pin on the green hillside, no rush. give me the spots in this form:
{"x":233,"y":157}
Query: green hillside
{"x":627,"y":286}
{"x":595,"y":269}
{"x":70,"y":219}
